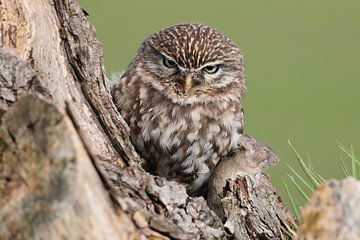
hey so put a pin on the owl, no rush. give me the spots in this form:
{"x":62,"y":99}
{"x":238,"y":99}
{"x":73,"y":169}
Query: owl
{"x":181,"y":97}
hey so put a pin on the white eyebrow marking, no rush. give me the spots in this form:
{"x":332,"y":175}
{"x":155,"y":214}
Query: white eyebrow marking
{"x":168,"y":57}
{"x":210,"y":64}
{"x":217,"y":62}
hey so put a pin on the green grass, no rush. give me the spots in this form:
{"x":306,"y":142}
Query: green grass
{"x":305,"y":182}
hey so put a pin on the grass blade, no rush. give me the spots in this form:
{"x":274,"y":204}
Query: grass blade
{"x":311,"y":166}
{"x":344,"y":168}
{"x":300,"y":190}
{"x":307,"y":185}
{"x":319,"y":178}
{"x":348,"y":152}
{"x":354,"y":165}
{"x":306,"y":168}
{"x":292,"y":202}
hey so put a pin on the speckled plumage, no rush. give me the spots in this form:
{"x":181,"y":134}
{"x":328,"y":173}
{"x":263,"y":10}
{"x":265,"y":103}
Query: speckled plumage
{"x":181,"y":98}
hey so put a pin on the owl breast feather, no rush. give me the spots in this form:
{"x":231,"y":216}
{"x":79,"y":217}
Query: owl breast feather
{"x":182,"y":143}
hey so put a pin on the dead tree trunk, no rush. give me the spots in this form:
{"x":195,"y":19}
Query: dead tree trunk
{"x":67,"y":167}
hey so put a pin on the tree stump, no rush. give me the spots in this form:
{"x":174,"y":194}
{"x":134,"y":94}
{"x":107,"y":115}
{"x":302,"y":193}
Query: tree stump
{"x":67,"y":166}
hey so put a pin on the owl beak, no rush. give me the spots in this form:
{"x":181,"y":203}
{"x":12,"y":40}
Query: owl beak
{"x":187,"y":83}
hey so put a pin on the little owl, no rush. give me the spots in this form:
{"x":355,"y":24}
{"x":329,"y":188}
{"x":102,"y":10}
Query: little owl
{"x":181,"y":99}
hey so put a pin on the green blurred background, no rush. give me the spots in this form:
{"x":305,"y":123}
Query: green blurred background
{"x":302,"y":64}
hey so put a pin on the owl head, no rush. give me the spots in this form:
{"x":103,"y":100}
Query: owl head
{"x":191,"y":63}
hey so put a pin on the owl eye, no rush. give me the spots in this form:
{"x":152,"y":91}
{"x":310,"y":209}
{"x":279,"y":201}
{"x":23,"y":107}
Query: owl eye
{"x":169,"y":63}
{"x":211,"y":69}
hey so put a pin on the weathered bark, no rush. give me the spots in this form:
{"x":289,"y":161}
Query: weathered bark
{"x":49,"y":188}
{"x":253,"y":209}
{"x":16,"y":79}
{"x":333,"y":212}
{"x":67,"y":166}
